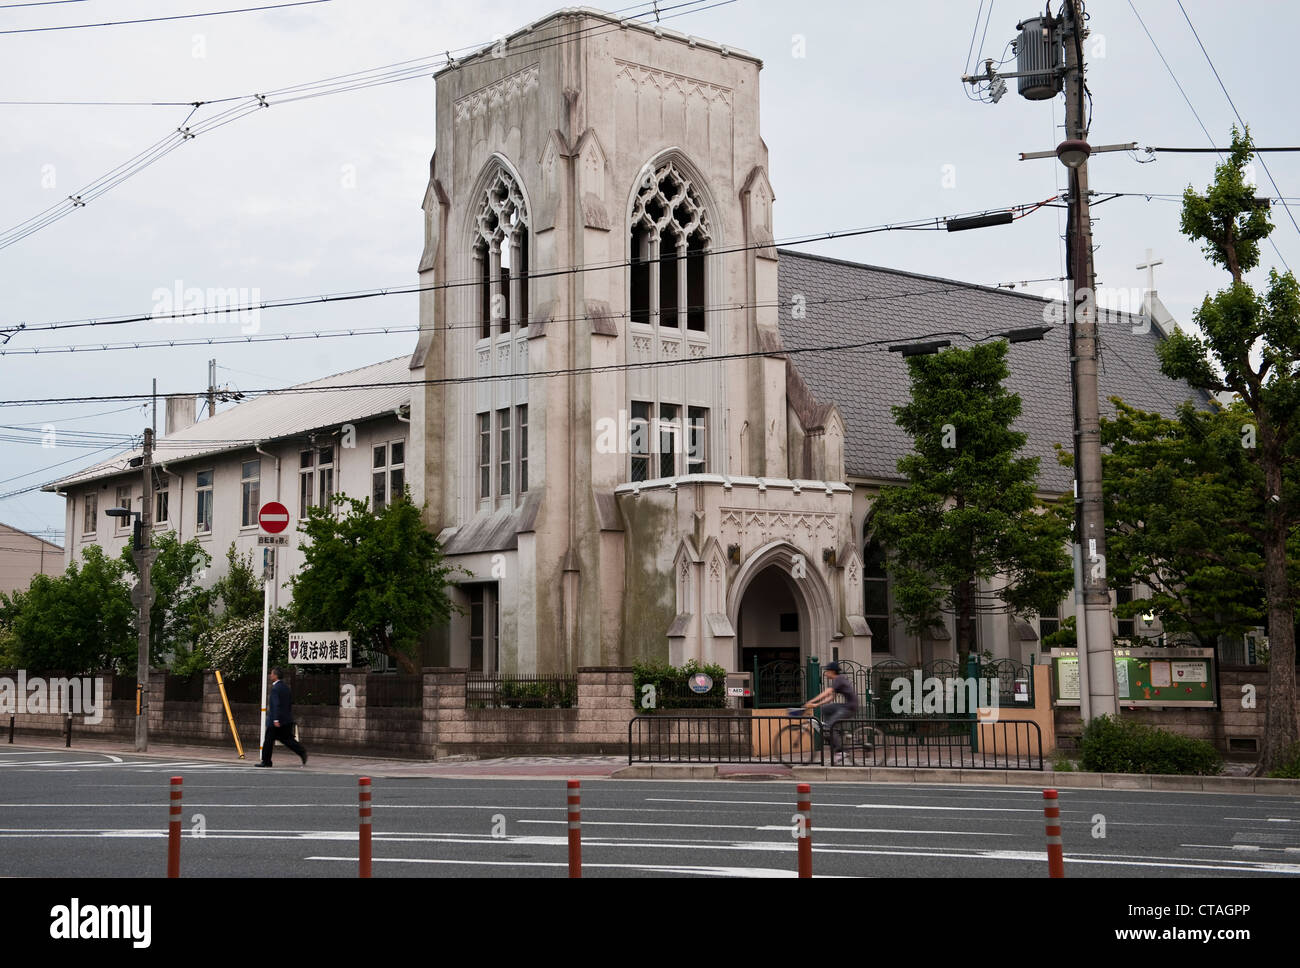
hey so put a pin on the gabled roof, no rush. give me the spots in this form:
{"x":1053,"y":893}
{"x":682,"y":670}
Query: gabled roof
{"x":902,"y":307}
{"x":275,"y":416}
{"x":27,"y":534}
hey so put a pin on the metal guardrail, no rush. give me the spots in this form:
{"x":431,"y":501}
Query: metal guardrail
{"x":933,"y":743}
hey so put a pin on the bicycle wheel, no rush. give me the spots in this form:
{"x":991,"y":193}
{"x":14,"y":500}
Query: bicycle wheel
{"x":794,"y":743}
{"x":859,"y":743}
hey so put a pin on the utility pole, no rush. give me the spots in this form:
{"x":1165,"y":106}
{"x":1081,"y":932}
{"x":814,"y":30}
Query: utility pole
{"x":1096,"y":647}
{"x":212,"y":389}
{"x":1041,"y":74}
{"x":144,"y":596}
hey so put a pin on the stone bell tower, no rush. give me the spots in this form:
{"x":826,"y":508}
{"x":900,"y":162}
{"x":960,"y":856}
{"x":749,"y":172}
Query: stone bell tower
{"x":597,"y":264}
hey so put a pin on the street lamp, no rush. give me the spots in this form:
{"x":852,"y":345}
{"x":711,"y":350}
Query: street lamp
{"x":1073,"y":152}
{"x":138,"y":531}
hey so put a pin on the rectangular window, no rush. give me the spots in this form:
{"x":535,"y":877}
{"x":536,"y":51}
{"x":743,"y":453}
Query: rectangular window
{"x":522,"y":419}
{"x":697,"y":440}
{"x":503,"y":453}
{"x":90,"y":522}
{"x":669,"y":439}
{"x":379,"y":479}
{"x":325,"y":475}
{"x":1124,"y":627}
{"x":503,"y":302}
{"x":161,"y":513}
{"x":203,"y":502}
{"x":639,"y":441}
{"x":250,"y":486}
{"x":123,"y":501}
{"x":306,"y":482}
{"x":484,"y":455}
{"x":396,"y":470}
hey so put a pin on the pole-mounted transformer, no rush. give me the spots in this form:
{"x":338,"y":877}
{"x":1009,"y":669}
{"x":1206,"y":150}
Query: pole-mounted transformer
{"x":1040,"y":58}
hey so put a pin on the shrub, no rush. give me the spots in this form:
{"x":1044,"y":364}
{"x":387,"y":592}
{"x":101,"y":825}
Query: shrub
{"x":1063,"y":765}
{"x":1290,"y":768}
{"x":1124,"y":746}
{"x":671,"y":688}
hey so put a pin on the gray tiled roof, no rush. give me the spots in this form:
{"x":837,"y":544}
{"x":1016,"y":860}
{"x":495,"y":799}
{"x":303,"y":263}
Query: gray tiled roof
{"x":868,"y":303}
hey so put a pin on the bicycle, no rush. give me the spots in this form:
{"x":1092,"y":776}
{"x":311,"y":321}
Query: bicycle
{"x":800,"y":742}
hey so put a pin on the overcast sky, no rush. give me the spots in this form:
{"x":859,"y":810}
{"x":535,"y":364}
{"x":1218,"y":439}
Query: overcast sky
{"x":323,"y":195}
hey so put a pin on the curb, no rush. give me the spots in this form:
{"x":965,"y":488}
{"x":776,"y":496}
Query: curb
{"x":1047,"y":778}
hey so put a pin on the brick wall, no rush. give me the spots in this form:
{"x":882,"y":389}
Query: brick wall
{"x":442,"y":726}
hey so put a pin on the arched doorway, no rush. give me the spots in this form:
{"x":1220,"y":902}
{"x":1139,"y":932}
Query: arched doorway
{"x":772,"y":624}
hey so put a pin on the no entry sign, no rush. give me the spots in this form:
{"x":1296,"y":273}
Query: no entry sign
{"x":273,"y":518}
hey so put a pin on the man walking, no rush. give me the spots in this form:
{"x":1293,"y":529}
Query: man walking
{"x":841,"y":685}
{"x":279,"y":720}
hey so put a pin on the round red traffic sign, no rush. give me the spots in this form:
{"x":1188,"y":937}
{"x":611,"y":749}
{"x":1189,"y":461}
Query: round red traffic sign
{"x":274,"y":517}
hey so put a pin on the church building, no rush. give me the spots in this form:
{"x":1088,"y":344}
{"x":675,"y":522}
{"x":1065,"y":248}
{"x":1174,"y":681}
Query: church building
{"x":627,"y":435}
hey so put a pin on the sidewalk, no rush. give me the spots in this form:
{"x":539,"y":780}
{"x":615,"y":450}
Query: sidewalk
{"x":506,"y":767}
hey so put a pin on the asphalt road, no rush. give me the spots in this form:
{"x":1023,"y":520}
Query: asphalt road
{"x":81,"y":814}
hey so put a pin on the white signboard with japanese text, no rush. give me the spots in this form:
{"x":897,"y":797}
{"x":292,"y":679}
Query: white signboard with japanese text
{"x":320,"y":648}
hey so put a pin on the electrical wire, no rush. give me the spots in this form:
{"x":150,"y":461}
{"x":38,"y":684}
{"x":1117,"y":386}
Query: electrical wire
{"x":150,"y":20}
{"x":1191,"y":107}
{"x":251,"y":104}
{"x":937,"y":223}
{"x":1224,"y":88}
{"x":861,"y":345}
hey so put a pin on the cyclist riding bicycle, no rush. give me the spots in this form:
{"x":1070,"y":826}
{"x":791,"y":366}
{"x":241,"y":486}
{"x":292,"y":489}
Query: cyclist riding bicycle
{"x":841,"y":685}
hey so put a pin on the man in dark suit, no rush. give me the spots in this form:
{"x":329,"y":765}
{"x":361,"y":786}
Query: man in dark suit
{"x":279,"y":720}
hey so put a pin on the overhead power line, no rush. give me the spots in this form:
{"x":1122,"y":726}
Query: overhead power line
{"x":1240,"y":120}
{"x":150,"y":20}
{"x":859,"y":345}
{"x":338,"y":84}
{"x":935,"y":223}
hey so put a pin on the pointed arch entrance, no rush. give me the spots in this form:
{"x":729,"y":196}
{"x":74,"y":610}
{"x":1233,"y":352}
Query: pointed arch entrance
{"x":780,"y":608}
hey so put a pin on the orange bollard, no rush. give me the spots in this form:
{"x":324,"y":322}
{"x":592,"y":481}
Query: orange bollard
{"x":174,"y":831}
{"x":364,"y":784}
{"x":1055,"y":846}
{"x":575,"y":829}
{"x":803,"y":830}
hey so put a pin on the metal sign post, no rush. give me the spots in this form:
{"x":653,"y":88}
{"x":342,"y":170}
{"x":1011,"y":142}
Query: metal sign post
{"x":273,"y":518}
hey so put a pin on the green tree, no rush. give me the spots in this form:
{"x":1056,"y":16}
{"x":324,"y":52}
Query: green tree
{"x":381,"y":577}
{"x":78,"y":622}
{"x":968,"y":510}
{"x":1185,"y":515}
{"x":182,"y":607}
{"x":1240,"y":327}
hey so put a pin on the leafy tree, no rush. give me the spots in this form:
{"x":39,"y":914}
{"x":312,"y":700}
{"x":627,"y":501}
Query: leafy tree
{"x":78,"y":622}
{"x":968,"y":510}
{"x":382,"y":577}
{"x":182,"y":607}
{"x":1240,"y":326}
{"x":1185,"y":515}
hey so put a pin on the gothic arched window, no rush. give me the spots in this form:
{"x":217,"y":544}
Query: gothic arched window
{"x":501,"y":257}
{"x":670,"y":236}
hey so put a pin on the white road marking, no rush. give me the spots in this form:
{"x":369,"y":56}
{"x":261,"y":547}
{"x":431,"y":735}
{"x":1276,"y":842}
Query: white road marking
{"x":857,"y":806}
{"x":663,"y":868}
{"x":782,"y":827}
